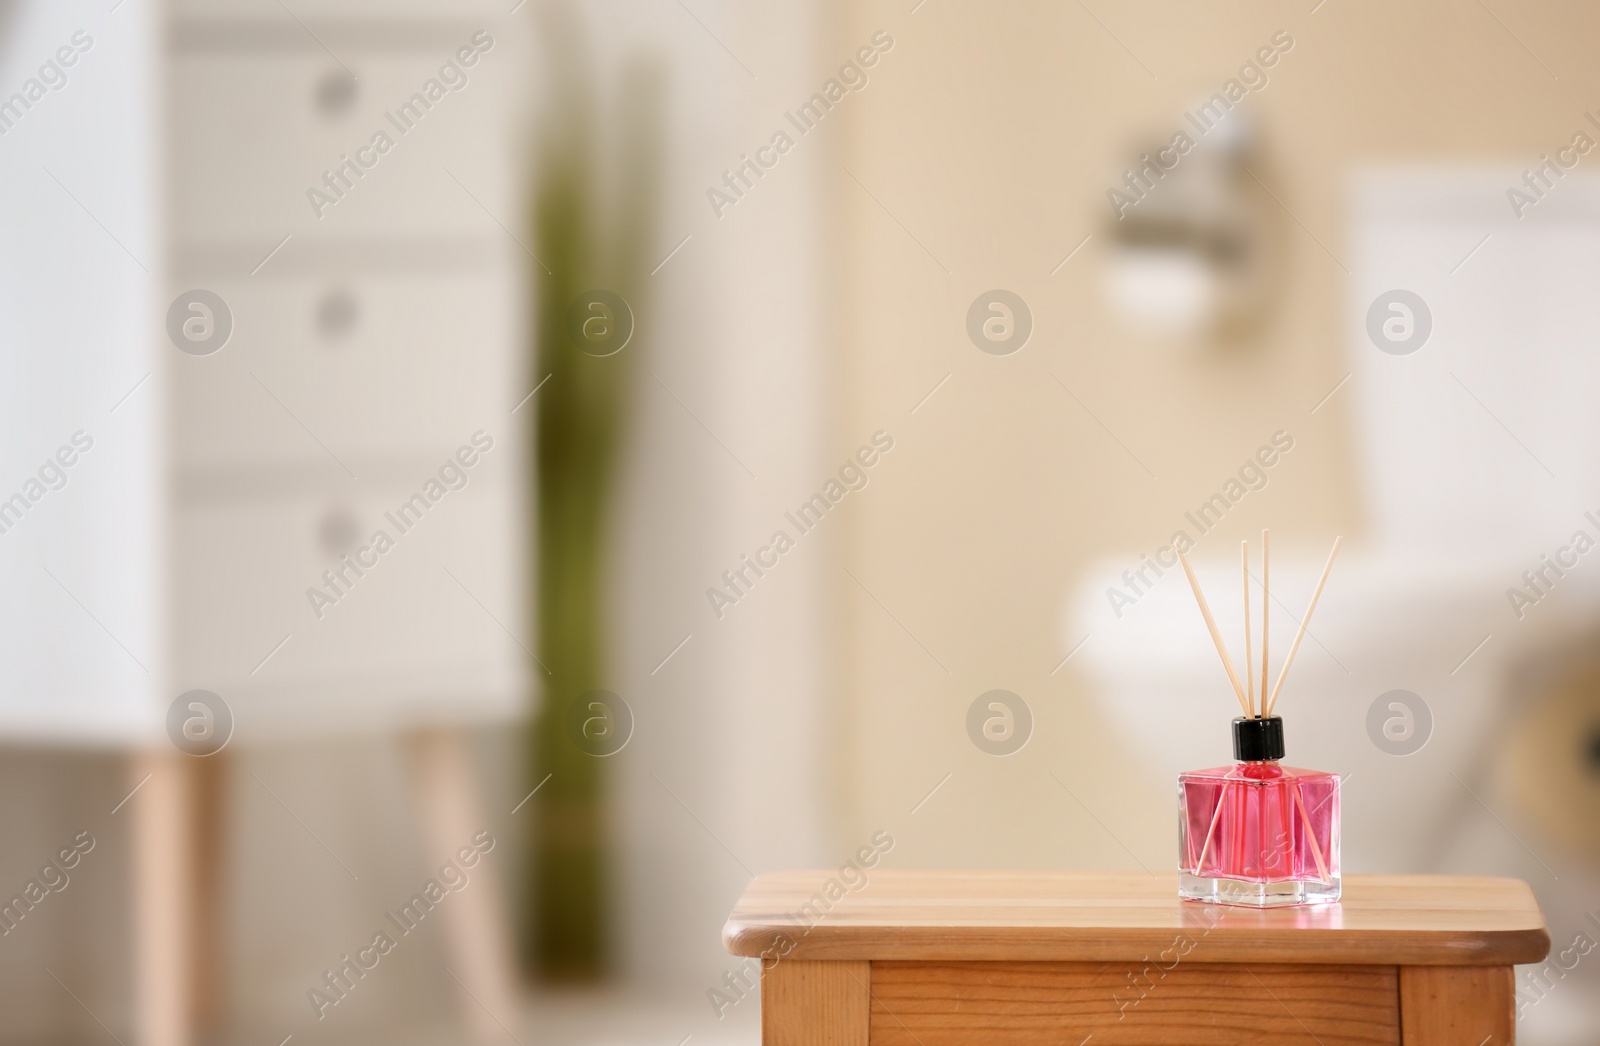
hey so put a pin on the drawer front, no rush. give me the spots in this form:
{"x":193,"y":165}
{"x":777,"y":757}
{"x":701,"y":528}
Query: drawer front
{"x":1023,"y":1004}
{"x":352,"y":368}
{"x":423,"y":633}
{"x":322,"y":10}
{"x":259,"y":141}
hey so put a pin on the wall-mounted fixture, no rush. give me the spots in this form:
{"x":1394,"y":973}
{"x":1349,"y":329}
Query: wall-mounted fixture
{"x":1194,"y":256}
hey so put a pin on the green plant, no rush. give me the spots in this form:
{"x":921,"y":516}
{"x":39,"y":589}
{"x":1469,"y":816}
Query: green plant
{"x":593,"y":215}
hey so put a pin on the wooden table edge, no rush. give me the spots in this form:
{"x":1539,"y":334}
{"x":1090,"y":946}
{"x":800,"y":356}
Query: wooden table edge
{"x":770,"y":942}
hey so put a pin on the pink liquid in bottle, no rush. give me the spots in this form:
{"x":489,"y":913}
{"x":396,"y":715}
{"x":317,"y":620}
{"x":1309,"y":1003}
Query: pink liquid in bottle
{"x":1258,"y":833}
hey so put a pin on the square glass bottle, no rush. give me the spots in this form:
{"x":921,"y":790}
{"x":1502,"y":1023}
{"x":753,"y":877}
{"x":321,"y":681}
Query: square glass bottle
{"x":1258,"y":833}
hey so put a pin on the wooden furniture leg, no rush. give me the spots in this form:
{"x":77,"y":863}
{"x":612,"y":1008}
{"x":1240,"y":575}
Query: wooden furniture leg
{"x":1450,"y":1004}
{"x":808,"y":1003}
{"x":162,"y":861}
{"x":207,"y":923}
{"x":475,"y":920}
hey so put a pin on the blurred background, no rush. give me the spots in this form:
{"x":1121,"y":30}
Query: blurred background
{"x":480,"y":481}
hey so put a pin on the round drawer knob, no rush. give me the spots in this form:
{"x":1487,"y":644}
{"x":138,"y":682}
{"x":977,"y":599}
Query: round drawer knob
{"x":338,"y":531}
{"x":336,"y":93}
{"x":337,"y":313}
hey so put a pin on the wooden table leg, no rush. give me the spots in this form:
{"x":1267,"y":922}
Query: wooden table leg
{"x":162,"y":862}
{"x":208,"y":920}
{"x":808,"y":1003}
{"x":475,"y":921}
{"x":1457,"y":1004}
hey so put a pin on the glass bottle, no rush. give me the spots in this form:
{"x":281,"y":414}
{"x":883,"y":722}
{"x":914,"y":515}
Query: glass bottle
{"x":1258,"y":833}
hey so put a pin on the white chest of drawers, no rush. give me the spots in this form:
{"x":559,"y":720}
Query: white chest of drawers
{"x":371,"y":338}
{"x":373,"y":335}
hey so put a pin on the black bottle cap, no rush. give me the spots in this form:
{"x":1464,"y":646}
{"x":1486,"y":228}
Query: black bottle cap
{"x":1257,"y":739}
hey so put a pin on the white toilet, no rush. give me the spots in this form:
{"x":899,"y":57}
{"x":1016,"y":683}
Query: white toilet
{"x":1479,"y":453}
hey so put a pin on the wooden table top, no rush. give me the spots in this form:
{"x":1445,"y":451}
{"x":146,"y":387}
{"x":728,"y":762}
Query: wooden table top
{"x":1436,"y":920}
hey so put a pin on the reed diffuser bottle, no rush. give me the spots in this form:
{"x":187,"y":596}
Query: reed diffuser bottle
{"x":1258,"y":833}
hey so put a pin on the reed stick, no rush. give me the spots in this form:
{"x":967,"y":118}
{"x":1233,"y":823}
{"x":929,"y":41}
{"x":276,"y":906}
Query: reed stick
{"x":1266,"y":611}
{"x":1222,"y":797}
{"x":1311,"y":833}
{"x":1216,"y":636}
{"x":1249,"y":674}
{"x":1304,"y":622}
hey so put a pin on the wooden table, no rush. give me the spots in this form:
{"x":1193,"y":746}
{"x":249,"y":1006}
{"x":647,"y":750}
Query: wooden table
{"x":1003,"y":958}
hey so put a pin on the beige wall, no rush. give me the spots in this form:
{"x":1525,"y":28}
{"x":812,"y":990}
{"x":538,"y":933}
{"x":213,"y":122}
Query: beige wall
{"x":992,"y":133}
